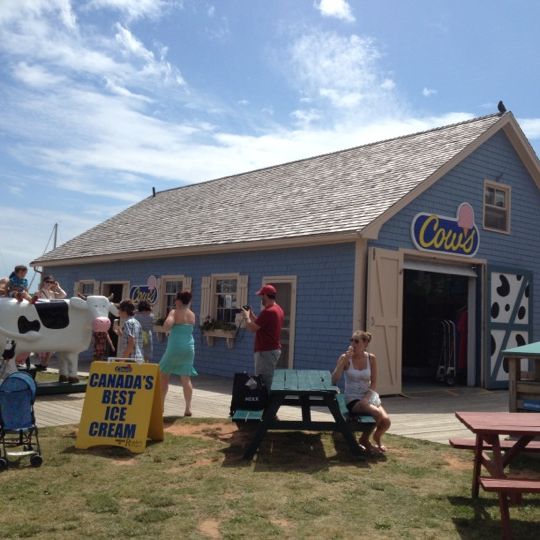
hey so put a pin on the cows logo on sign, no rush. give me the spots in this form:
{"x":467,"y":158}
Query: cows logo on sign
{"x":148,"y":292}
{"x":456,"y":235}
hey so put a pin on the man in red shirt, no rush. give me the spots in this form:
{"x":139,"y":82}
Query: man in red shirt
{"x":267,"y":327}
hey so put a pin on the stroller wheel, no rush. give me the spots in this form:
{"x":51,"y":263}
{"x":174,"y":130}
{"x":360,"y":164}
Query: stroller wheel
{"x":3,"y":464}
{"x":36,"y":460}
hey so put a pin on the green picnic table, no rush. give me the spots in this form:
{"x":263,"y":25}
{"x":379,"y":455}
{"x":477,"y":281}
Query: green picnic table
{"x":308,"y":388}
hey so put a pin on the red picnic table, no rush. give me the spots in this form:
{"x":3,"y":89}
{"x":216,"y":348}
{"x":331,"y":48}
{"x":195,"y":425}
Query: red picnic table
{"x":488,"y":428}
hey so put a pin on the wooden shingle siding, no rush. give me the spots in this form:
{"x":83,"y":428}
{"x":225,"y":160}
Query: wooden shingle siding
{"x":324,"y":299}
{"x":465,"y":182}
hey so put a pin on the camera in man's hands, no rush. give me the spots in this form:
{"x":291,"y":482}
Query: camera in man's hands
{"x":247,"y":307}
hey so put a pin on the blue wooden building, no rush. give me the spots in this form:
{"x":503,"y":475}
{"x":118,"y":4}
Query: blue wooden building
{"x":396,"y":237}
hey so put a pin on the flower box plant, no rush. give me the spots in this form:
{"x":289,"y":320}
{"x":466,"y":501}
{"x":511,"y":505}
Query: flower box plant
{"x":212,"y":328}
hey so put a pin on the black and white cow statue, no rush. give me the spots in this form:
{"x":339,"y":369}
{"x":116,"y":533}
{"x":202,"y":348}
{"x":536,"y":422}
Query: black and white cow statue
{"x":61,"y":326}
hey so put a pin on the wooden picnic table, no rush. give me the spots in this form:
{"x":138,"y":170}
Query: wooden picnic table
{"x":488,"y":428}
{"x":305,"y":388}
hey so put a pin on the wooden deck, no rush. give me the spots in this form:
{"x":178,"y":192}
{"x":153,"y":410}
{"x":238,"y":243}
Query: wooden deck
{"x":422,"y":412}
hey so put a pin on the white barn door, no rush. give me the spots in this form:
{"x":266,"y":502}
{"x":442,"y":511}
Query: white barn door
{"x":384,"y":316}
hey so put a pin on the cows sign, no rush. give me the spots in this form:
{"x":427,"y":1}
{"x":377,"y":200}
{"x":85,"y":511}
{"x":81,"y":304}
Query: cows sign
{"x":142,"y":292}
{"x":457,"y":235}
{"x":148,"y":292}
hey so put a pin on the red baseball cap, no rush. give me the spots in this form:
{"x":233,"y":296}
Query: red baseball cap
{"x":267,"y":289}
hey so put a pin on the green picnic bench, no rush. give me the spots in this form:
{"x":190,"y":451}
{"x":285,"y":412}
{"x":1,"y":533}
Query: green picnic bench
{"x":244,"y":416}
{"x":306,"y":389}
{"x":358,"y":421}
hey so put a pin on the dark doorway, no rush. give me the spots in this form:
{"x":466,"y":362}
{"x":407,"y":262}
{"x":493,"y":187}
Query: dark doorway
{"x":114,"y":292}
{"x":430,"y":302}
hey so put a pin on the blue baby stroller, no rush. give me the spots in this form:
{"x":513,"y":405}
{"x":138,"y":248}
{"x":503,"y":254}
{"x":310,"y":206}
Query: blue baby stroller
{"x":18,"y":429}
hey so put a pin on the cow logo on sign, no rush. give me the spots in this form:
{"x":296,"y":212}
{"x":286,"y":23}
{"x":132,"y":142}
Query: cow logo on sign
{"x":148,"y":292}
{"x":458,"y":235}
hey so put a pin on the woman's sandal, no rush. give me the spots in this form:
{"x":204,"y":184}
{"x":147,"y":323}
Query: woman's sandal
{"x":370,"y":450}
{"x":188,"y":414}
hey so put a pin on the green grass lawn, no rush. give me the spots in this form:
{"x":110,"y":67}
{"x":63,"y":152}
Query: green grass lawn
{"x":195,"y":485}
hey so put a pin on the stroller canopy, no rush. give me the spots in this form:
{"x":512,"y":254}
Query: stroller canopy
{"x":17,"y":395}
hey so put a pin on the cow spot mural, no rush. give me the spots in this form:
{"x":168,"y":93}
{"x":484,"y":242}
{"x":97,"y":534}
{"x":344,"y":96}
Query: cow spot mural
{"x":509,"y":319}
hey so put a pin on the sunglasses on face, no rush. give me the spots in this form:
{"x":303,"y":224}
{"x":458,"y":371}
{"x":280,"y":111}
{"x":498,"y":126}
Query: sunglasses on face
{"x":49,"y":282}
{"x":357,"y":340}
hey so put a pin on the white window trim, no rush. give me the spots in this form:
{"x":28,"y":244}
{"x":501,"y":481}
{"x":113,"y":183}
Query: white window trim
{"x":125,"y":287}
{"x":209,"y":299}
{"x":78,"y":284}
{"x":508,"y":192}
{"x":293,"y":281}
{"x":186,"y":286}
{"x":209,"y":304}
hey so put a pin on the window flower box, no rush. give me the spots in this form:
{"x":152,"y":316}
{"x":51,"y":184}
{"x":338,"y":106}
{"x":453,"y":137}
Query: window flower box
{"x":212,"y":329}
{"x":228,"y":335}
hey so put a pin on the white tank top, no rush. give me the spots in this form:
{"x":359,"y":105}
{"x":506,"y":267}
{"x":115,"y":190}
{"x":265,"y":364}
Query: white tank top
{"x":357,"y":381}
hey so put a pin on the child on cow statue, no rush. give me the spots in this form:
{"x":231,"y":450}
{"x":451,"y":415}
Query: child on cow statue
{"x":18,"y":285}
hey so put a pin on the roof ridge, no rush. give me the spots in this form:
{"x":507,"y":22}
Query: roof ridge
{"x":277,"y":165}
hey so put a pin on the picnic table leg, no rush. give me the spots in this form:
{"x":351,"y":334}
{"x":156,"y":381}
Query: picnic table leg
{"x":348,"y":435}
{"x":477,"y":466}
{"x":306,"y":409}
{"x":521,"y":443}
{"x":505,"y":516}
{"x":268,"y":419}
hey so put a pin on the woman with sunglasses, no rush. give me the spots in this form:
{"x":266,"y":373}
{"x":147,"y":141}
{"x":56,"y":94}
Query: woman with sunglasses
{"x":360,"y":370}
{"x":49,"y":290}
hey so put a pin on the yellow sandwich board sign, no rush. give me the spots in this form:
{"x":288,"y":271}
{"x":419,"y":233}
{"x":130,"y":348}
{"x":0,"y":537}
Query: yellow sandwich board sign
{"x":122,"y":406}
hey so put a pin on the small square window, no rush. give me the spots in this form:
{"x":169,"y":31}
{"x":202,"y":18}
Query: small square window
{"x":172,"y":287}
{"x":86,"y":287}
{"x":225,"y":298}
{"x":496,"y":207}
{"x":168,"y":287}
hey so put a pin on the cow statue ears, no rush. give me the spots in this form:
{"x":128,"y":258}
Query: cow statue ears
{"x":93,"y":301}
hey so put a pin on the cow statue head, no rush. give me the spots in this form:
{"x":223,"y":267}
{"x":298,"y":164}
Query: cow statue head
{"x":98,"y":308}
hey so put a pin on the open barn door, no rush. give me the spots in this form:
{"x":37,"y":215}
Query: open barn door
{"x":384,"y":314}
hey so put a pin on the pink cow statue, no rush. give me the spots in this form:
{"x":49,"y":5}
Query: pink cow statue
{"x":61,"y":326}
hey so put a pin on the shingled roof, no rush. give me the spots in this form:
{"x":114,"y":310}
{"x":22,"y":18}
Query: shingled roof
{"x":340,"y":192}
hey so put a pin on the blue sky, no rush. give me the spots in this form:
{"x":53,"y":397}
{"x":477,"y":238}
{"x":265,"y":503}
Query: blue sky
{"x":101,"y":100}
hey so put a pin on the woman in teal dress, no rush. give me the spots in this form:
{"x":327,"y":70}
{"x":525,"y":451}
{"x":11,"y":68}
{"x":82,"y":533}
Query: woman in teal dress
{"x":180,"y":352}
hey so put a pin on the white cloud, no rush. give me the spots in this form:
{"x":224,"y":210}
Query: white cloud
{"x":16,"y":10}
{"x":20,"y":245}
{"x":341,"y":99}
{"x":131,"y":44}
{"x":135,"y":9}
{"x":531,"y":127}
{"x":388,"y":84}
{"x":306,"y":117}
{"x":427,"y":92}
{"x":343,"y":71}
{"x":335,"y":8}
{"x":124,"y":92}
{"x":36,"y":76}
